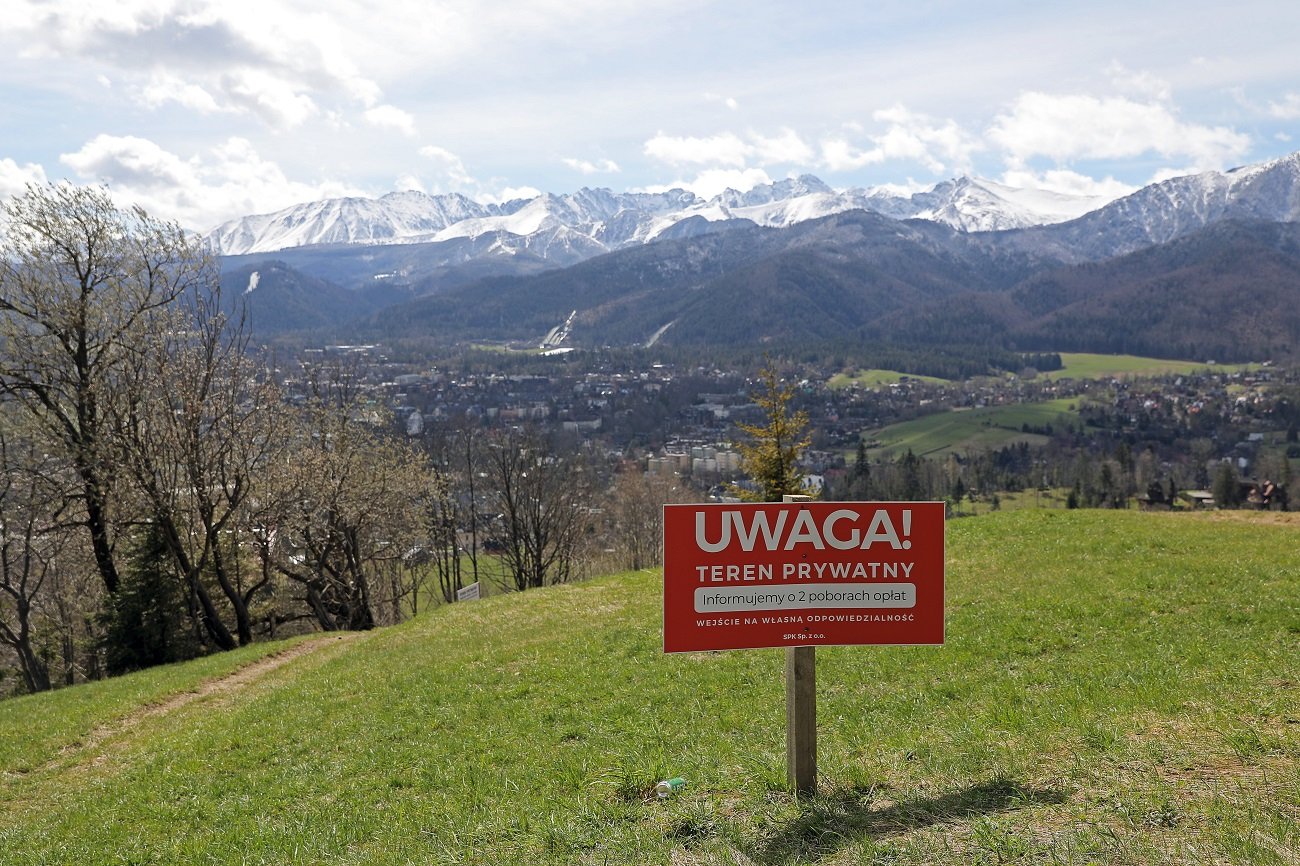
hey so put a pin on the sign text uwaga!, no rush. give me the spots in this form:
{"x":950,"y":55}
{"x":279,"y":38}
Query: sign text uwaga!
{"x":802,"y":574}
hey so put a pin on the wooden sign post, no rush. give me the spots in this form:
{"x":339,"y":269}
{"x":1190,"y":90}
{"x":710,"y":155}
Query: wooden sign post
{"x":799,"y":575}
{"x":801,"y":718}
{"x":800,"y":709}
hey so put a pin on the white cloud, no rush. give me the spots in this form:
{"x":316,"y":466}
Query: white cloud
{"x":1288,"y":108}
{"x":730,"y":150}
{"x":713,"y":181}
{"x":1139,"y":83}
{"x":275,"y":60}
{"x":14,"y":177}
{"x":450,"y":168}
{"x":728,"y":101}
{"x":164,"y":87}
{"x":839,"y":155}
{"x":289,"y":59}
{"x":724,"y":149}
{"x":451,"y":175}
{"x":509,"y":193}
{"x":408,"y":183}
{"x":391,"y":117}
{"x":1070,"y":127}
{"x":907,"y":188}
{"x":585,"y":166}
{"x":131,"y":163}
{"x":942,"y":146}
{"x":787,"y":147}
{"x":227,"y":181}
{"x":1067,"y":182}
{"x":269,"y":97}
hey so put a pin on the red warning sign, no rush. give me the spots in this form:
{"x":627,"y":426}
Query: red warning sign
{"x":741,"y":576}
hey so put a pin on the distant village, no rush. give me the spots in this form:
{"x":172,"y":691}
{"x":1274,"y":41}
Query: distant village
{"x":662,"y":419}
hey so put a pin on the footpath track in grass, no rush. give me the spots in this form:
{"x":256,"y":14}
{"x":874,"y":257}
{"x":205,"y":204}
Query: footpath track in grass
{"x":35,"y":729}
{"x":1116,"y":688}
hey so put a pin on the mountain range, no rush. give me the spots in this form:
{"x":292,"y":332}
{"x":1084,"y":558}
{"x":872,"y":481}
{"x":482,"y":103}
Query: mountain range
{"x":567,"y":228}
{"x":968,"y":261}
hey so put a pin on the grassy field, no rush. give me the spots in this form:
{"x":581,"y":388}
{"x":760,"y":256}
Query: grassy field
{"x":979,"y":429}
{"x":1079,"y":365}
{"x":1116,"y":688}
{"x":870,"y":378}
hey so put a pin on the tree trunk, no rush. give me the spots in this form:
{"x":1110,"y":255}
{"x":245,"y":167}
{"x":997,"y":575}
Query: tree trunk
{"x":36,"y":674}
{"x":243,"y":625}
{"x":211,"y":617}
{"x":97,"y":522}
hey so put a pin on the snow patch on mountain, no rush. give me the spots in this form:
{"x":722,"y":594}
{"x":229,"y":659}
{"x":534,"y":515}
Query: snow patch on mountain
{"x":1170,"y":209}
{"x":609,"y":221}
{"x":563,"y":229}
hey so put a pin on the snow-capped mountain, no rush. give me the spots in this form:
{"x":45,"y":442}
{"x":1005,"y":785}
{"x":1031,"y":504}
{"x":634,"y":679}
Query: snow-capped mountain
{"x":609,"y":219}
{"x":560,"y":230}
{"x":598,"y":220}
{"x":972,"y":205}
{"x":1171,"y":209}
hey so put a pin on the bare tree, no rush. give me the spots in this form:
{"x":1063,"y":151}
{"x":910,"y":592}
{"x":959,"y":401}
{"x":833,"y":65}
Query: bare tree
{"x":455,"y":450}
{"x":79,"y":282}
{"x":200,"y":423}
{"x":635,"y":516}
{"x":444,"y":556}
{"x":544,"y":503}
{"x":353,"y":509}
{"x":30,"y":502}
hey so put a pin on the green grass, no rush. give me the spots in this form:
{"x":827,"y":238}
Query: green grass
{"x":1055,"y":497}
{"x":1116,"y":688}
{"x":34,"y":728}
{"x":871,"y":378}
{"x":506,"y":349}
{"x":1080,"y":365}
{"x":978,"y":429}
{"x":493,"y":578}
{"x":1077,"y":365}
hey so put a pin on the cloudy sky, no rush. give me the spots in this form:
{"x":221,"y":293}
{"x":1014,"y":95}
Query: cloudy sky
{"x":203,"y":111}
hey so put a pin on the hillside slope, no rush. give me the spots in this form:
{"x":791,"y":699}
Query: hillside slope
{"x":1230,"y":292}
{"x":1115,"y":688}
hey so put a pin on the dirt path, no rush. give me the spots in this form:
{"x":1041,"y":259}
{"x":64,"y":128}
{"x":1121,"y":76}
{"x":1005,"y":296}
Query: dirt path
{"x":1266,"y":518}
{"x":231,"y":682}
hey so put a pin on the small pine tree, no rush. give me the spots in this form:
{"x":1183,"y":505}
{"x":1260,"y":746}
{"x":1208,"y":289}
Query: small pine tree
{"x":861,"y":467}
{"x":909,"y":473}
{"x":958,"y":492}
{"x":1226,"y":490}
{"x":860,"y":480}
{"x":770,"y":457}
{"x":146,"y":622}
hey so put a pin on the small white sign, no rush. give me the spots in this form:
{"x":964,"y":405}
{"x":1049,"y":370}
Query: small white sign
{"x":468,"y":593}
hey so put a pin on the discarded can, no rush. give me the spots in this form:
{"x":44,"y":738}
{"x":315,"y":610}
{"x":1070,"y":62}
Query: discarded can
{"x":668,"y":787}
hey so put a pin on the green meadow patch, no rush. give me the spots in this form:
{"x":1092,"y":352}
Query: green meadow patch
{"x":1080,"y":365}
{"x":871,"y":378}
{"x":960,"y":430}
{"x":1116,"y":688}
